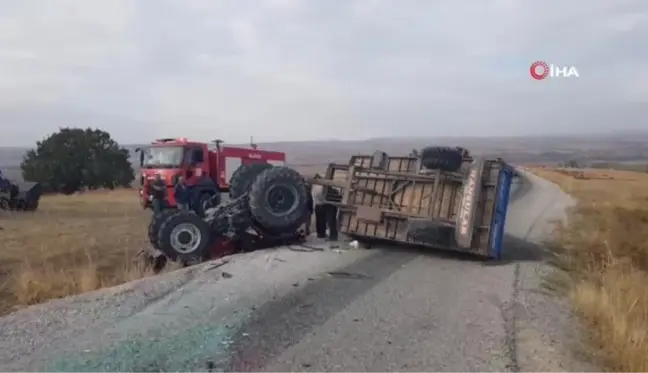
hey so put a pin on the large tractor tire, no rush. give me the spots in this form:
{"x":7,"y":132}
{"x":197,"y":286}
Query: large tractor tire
{"x":154,"y":226}
{"x":244,"y":176}
{"x":185,"y":237}
{"x":279,"y":199}
{"x":202,"y":200}
{"x":204,"y":195}
{"x":443,"y":158}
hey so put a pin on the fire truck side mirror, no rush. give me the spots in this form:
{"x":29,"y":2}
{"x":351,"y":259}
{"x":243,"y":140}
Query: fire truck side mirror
{"x":141,"y":155}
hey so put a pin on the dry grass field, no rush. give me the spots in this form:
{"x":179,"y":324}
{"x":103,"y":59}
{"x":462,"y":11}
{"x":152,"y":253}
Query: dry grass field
{"x":72,"y":244}
{"x":603,"y":254}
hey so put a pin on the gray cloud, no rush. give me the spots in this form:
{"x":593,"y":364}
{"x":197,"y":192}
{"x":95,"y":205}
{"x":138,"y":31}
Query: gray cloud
{"x":292,"y":70}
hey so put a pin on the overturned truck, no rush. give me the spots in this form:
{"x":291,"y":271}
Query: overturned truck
{"x":440,"y":198}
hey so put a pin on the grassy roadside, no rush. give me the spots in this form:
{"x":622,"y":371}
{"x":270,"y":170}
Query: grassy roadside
{"x":603,"y":257}
{"x":72,"y":244}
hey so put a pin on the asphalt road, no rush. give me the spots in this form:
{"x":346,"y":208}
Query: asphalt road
{"x":318,"y":310}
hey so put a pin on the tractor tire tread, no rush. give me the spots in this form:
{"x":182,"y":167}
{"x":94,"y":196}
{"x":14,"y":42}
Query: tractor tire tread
{"x":244,"y":176}
{"x":259,"y":208}
{"x":443,"y":158}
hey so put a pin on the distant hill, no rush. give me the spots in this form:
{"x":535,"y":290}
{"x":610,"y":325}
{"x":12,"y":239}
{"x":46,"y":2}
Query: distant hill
{"x":619,"y":148}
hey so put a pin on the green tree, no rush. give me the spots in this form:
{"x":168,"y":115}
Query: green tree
{"x":74,"y":159}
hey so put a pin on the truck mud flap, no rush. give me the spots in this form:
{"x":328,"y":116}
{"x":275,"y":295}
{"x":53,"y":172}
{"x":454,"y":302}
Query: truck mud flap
{"x":472,"y":189}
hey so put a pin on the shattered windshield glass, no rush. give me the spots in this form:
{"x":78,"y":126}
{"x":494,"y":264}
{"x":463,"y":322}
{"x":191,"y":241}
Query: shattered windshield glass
{"x":163,"y":157}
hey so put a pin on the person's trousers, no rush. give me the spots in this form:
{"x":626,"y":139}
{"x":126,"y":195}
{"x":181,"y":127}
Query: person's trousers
{"x":183,"y":206}
{"x":320,"y":221}
{"x":326,"y":217}
{"x":157,"y":205}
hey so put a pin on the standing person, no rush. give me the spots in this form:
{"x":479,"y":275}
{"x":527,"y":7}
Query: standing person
{"x":331,"y":212}
{"x":317,"y":194}
{"x":325,"y":212}
{"x":311,"y":210}
{"x":157,"y":189}
{"x":181,"y":193}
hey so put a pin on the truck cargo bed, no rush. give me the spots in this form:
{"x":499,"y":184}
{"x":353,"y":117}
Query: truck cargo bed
{"x":397,"y":200}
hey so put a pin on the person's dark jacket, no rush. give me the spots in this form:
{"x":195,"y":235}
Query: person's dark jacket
{"x":157,"y":189}
{"x":181,"y":193}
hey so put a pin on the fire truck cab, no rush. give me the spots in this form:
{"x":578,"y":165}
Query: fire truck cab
{"x":206,"y":167}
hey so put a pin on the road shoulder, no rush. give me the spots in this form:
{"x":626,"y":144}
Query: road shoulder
{"x":546,"y":331}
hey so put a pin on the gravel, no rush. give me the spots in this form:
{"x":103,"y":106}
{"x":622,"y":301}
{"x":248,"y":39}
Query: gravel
{"x":174,"y":322}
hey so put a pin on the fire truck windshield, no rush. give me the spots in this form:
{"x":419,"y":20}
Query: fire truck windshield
{"x":163,"y":157}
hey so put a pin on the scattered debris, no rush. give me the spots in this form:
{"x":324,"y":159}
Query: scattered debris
{"x":305,"y":248}
{"x":340,"y":274}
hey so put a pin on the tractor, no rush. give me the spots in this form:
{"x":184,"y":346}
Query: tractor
{"x":271,"y":209}
{"x":209,"y":169}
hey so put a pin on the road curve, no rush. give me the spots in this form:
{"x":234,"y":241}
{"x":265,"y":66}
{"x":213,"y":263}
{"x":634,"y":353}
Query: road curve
{"x":307,"y":309}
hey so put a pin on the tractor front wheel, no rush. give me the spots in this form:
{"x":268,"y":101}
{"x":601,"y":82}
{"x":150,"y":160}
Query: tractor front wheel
{"x":184,"y":237}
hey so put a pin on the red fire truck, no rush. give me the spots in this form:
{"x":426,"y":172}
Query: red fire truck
{"x":206,"y":167}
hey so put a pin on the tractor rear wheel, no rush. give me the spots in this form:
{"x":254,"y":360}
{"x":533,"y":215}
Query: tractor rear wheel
{"x":31,"y":205}
{"x":279,"y":199}
{"x":204,"y":201}
{"x":244,"y":176}
{"x":185,"y":237}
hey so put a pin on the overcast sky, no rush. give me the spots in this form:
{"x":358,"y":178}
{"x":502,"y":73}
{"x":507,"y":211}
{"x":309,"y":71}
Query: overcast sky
{"x":314,"y":69}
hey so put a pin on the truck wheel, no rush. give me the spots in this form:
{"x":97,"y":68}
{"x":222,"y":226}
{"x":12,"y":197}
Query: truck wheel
{"x":5,"y":204}
{"x":244,"y":176}
{"x":443,"y":158}
{"x":31,"y":205}
{"x":154,"y":226}
{"x":184,"y":237}
{"x":21,"y":205}
{"x":279,"y":199}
